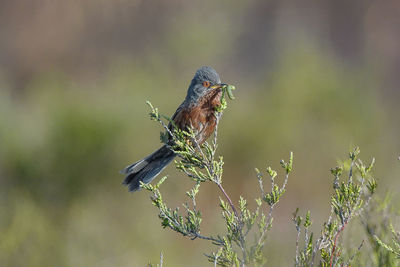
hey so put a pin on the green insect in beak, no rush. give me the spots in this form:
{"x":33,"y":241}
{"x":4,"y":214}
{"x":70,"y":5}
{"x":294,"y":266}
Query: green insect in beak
{"x":226,"y":89}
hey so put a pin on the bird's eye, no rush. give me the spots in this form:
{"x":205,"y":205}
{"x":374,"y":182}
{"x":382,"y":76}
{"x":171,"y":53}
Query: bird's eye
{"x":206,"y":84}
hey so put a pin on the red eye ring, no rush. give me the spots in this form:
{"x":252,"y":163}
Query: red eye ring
{"x":206,"y":84}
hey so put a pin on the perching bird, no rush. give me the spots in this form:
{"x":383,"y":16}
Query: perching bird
{"x":197,"y":112}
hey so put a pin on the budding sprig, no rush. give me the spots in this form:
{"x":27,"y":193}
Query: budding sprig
{"x":348,"y":200}
{"x":395,"y":248}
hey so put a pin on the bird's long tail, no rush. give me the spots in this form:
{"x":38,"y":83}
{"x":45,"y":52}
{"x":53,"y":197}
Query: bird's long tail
{"x":147,"y":169}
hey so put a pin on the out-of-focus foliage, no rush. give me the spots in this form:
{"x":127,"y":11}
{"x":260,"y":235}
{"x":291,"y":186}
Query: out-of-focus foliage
{"x":314,"y":78}
{"x":352,"y":195}
{"x":378,"y":223}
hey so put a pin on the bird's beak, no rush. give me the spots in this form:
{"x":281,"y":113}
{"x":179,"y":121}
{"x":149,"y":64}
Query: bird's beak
{"x":218,"y":86}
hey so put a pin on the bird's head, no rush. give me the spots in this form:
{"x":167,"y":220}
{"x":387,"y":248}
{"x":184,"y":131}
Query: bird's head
{"x":205,"y":80}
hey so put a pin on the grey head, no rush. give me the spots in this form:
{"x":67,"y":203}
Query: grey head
{"x":206,"y":79}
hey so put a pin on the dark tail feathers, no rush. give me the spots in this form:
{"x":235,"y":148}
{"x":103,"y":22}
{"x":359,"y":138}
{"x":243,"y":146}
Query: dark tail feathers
{"x":147,"y":169}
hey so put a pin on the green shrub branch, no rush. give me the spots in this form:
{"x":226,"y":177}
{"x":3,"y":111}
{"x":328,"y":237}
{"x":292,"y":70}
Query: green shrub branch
{"x":200,"y":164}
{"x":350,"y":198}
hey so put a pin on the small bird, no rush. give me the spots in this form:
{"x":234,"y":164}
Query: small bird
{"x":197,"y":111}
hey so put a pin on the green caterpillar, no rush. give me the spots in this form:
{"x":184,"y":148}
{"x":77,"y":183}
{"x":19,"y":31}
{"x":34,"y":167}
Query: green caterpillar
{"x":226,"y":88}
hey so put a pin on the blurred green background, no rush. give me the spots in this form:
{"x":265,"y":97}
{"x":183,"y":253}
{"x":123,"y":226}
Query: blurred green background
{"x":314,"y":77}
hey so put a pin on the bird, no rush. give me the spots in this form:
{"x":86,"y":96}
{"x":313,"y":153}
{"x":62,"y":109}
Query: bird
{"x":197,"y":111}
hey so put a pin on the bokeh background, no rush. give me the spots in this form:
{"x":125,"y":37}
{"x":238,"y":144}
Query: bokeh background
{"x":314,"y":77}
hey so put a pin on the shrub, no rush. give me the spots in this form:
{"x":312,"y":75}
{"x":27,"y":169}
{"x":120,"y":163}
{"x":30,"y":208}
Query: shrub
{"x":351,"y":197}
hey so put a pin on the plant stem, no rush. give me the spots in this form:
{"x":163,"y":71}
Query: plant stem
{"x":336,"y":238}
{"x":297,"y":246}
{"x":229,"y":199}
{"x":240,"y":228}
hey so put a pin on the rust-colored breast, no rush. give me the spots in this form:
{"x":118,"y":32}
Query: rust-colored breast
{"x":201,"y":116}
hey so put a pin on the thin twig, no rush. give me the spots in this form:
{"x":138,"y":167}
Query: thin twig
{"x":216,"y":241}
{"x":354,"y":254}
{"x":315,"y":251}
{"x":161,"y":259}
{"x":285,"y":182}
{"x":306,"y":239}
{"x":242,"y":244}
{"x":193,"y":235}
{"x":351,"y":172}
{"x":229,"y":199}
{"x":297,"y":245}
{"x":269,"y":221}
{"x":259,"y":176}
{"x":335,"y":243}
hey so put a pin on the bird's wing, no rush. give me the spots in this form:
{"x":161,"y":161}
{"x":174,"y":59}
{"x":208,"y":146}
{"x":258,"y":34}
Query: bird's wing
{"x":180,"y":118}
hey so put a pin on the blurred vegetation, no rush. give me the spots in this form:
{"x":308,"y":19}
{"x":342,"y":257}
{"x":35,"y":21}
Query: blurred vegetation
{"x":74,"y":77}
